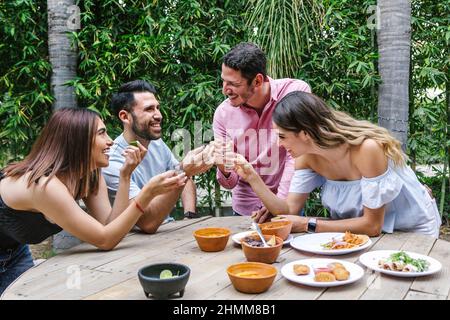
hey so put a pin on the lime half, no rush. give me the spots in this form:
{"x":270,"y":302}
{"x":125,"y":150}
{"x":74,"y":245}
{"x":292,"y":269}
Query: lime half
{"x":166,"y":274}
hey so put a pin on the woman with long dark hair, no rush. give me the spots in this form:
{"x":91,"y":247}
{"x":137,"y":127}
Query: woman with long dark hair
{"x":38,"y":196}
{"x":365,"y":183}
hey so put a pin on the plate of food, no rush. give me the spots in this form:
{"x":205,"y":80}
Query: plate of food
{"x":239,"y":236}
{"x":400,"y":263}
{"x":322,"y":272}
{"x":331,"y":243}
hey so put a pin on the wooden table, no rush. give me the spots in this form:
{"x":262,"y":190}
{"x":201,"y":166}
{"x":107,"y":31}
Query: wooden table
{"x":84,"y":272}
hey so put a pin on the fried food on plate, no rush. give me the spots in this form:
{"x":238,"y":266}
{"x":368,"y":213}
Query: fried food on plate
{"x":356,"y":239}
{"x":341,"y":273}
{"x":348,"y":241}
{"x":335,"y":265}
{"x":334,"y":271}
{"x":324,"y":277}
{"x":301,"y":269}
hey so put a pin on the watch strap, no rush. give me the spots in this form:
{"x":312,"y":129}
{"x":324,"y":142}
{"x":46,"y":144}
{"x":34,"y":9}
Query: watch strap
{"x":312,"y":224}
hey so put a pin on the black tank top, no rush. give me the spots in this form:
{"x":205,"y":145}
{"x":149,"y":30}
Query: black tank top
{"x":23,"y":227}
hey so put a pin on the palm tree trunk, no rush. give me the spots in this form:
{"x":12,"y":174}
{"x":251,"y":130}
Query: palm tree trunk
{"x":447,"y":98}
{"x":447,"y":152}
{"x":412,"y":128}
{"x":394,"y":45}
{"x":63,"y":57}
{"x":62,"y":54}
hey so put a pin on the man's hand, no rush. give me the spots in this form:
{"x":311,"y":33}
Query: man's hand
{"x":222,"y":151}
{"x":198,"y":160}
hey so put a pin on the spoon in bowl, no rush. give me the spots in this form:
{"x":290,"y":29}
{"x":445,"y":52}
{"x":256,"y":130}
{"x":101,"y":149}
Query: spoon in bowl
{"x":258,"y":230}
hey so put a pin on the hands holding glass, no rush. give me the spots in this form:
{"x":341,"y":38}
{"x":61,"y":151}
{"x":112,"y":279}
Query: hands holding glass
{"x":201,"y":159}
{"x":223,"y":155}
{"x":219,"y":152}
{"x":227,"y":161}
{"x":197,"y":161}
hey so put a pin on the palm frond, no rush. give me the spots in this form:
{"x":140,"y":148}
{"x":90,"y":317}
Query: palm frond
{"x":284,"y":29}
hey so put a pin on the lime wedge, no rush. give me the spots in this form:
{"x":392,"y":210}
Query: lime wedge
{"x":166,"y":274}
{"x":134,"y":143}
{"x":272,"y":241}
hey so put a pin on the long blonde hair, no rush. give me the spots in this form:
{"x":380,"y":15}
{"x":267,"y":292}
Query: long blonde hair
{"x":329,"y":128}
{"x":63,"y":149}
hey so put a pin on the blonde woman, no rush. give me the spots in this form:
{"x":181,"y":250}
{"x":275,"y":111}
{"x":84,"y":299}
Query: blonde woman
{"x":38,"y":195}
{"x":361,"y":170}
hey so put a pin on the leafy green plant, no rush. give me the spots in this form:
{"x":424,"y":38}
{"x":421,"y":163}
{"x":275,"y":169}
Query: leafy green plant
{"x":25,"y":99}
{"x":177,"y":46}
{"x":429,"y":136}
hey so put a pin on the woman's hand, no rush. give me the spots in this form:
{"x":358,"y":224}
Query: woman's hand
{"x":262,"y":215}
{"x":299,"y":224}
{"x":165,"y":182}
{"x":133,"y":156}
{"x":244,"y":169}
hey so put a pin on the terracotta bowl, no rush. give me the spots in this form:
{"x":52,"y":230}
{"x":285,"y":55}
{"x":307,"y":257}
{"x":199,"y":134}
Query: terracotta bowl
{"x":280,"y":228}
{"x":262,"y":254}
{"x":212,"y":239}
{"x":251,"y":277}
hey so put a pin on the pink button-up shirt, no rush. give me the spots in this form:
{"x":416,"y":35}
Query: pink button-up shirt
{"x":254,"y":138}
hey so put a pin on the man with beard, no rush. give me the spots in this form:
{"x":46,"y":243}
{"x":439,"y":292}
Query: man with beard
{"x":137,"y":107}
{"x":245,"y":120}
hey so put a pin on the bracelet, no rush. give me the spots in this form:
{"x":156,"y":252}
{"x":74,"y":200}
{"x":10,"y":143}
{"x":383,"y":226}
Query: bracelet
{"x":138,"y":206}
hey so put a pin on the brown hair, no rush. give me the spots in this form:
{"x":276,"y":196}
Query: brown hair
{"x":63,"y":149}
{"x":329,"y":128}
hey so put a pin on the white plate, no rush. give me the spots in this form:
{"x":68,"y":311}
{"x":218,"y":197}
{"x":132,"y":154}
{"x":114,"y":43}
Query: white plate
{"x":356,"y":272}
{"x":370,"y":260}
{"x":313,"y":243}
{"x":238,"y":236}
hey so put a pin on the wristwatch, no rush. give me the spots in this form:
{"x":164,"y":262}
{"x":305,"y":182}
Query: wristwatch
{"x":312,"y":224}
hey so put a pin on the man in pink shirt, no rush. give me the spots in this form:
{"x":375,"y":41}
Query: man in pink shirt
{"x":245,"y":118}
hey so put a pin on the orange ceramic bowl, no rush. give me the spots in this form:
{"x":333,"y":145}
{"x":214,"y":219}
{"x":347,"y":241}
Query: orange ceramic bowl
{"x":262,"y":254}
{"x":251,"y":277}
{"x":280,"y":228}
{"x":212,"y":239}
